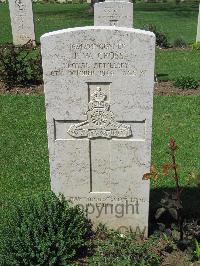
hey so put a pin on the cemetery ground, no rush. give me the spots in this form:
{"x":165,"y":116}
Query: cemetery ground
{"x":24,"y":153}
{"x":25,"y":168}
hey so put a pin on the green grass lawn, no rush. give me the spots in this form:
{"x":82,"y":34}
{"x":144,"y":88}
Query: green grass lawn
{"x":174,"y":20}
{"x":178,"y":63}
{"x":24,"y":166}
{"x":177,"y":117}
{"x":24,"y":155}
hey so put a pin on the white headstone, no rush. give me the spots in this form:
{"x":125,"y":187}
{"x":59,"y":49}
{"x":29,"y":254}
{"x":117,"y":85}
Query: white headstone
{"x":198,"y":27}
{"x":113,"y":13}
{"x":99,"y":98}
{"x":21,"y":15}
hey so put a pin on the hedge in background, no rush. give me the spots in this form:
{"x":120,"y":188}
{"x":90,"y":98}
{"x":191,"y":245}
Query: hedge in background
{"x":20,"y":65}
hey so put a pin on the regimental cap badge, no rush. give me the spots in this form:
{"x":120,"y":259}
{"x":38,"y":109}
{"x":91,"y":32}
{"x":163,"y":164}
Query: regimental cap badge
{"x":100,"y":121}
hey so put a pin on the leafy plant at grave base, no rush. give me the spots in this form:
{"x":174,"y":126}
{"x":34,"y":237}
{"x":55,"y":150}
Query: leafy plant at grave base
{"x":192,"y":230}
{"x":196,"y":46}
{"x":20,"y":65}
{"x":186,"y":82}
{"x":170,"y":245}
{"x":113,"y":248}
{"x":197,"y":250}
{"x":44,"y":231}
{"x":179,"y":42}
{"x":170,"y":203}
{"x":161,"y":38}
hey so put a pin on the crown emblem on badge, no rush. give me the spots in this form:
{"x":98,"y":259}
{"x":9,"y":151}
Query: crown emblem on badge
{"x":98,"y":95}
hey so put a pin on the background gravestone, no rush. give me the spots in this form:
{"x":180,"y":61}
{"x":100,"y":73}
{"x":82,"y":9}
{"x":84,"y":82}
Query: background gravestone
{"x":99,"y":98}
{"x":198,"y":27}
{"x":21,"y":15}
{"x":113,"y":13}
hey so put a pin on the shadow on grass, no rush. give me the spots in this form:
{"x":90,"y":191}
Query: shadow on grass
{"x":190,"y":203}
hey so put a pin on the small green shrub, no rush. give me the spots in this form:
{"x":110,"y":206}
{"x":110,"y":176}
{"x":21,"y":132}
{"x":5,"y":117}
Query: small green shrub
{"x":179,"y":42}
{"x":20,"y":65}
{"x":44,"y":231}
{"x":186,"y":82}
{"x":161,"y":38}
{"x":113,"y":248}
{"x":196,"y":46}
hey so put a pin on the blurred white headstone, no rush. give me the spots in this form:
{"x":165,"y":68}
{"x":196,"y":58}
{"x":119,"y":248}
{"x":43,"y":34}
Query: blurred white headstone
{"x":21,"y":15}
{"x":113,"y":13}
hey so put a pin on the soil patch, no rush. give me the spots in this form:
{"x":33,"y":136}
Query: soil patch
{"x":167,"y":89}
{"x":30,"y":90}
{"x":161,"y":88}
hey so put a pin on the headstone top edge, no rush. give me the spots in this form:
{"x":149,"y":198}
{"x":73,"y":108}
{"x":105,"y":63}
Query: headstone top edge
{"x":125,"y":29}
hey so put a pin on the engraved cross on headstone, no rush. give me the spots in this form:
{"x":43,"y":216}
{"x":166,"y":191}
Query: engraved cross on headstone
{"x":100,"y":131}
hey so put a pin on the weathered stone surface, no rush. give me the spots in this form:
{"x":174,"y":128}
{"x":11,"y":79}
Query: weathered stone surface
{"x":99,"y":99}
{"x":21,"y":15}
{"x":113,"y":13}
{"x":198,"y":27}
